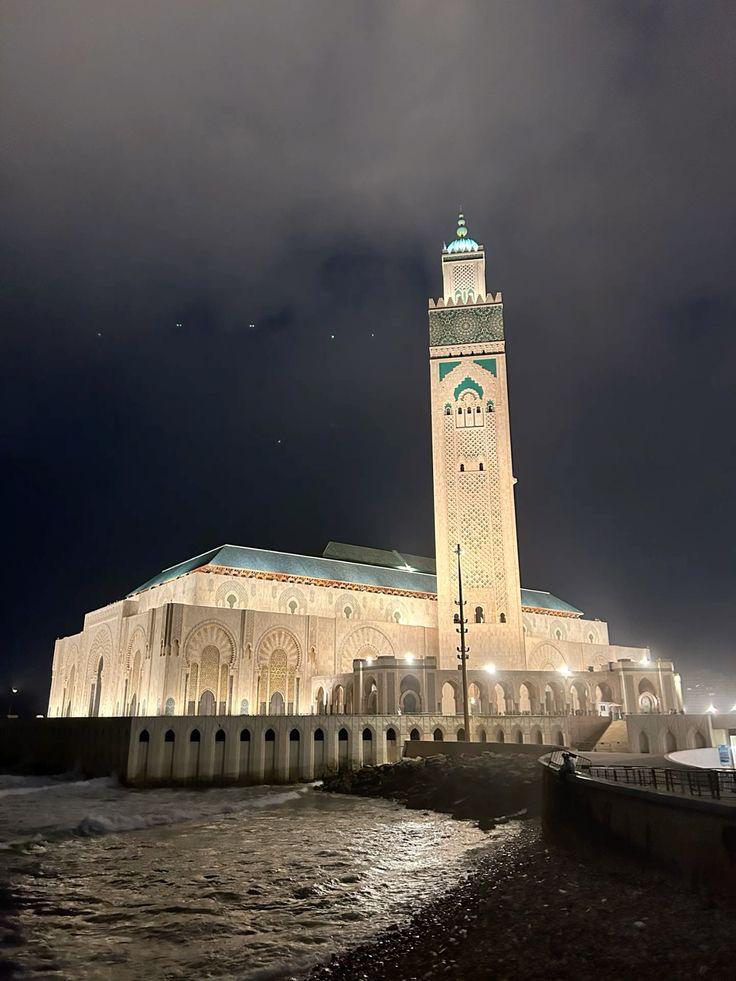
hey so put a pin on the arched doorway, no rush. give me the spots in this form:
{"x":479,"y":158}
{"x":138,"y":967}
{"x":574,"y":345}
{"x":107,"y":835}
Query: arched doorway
{"x":269,"y":755}
{"x":409,"y":695}
{"x":319,"y":753}
{"x":369,"y":757}
{"x":527,"y":699}
{"x":294,"y":763}
{"x":499,"y":696}
{"x":670,"y":743}
{"x":392,"y":752}
{"x":449,"y":700}
{"x":276,"y":705}
{"x":206,"y":703}
{"x":343,"y":749}
{"x":643,"y":742}
{"x":474,"y":699}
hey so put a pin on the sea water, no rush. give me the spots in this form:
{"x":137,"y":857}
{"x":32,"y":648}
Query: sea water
{"x":99,"y":881}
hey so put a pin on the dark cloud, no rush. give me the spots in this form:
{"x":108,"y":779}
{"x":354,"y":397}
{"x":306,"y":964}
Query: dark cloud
{"x":296,"y":167}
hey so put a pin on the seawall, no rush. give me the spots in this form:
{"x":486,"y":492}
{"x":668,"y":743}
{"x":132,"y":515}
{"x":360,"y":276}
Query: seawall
{"x":694,"y":837}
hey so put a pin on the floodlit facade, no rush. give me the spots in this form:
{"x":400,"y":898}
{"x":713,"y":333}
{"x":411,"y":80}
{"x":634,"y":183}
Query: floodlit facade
{"x":371,"y":632}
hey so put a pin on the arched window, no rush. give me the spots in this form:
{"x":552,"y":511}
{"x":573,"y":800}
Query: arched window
{"x":480,"y":465}
{"x":479,"y":617}
{"x":438,"y":736}
{"x":294,"y":736}
{"x":560,"y":739}
{"x":502,"y":618}
{"x":293,"y":606}
{"x":415,"y":735}
{"x":342,"y":736}
{"x":558,"y":634}
{"x":348,"y":612}
{"x":194,"y":736}
{"x":520,"y":736}
{"x":144,"y":736}
{"x":461,"y":735}
{"x":448,"y":410}
{"x":462,"y":468}
{"x":220,"y":736}
{"x":245,"y":735}
{"x":319,"y":736}
{"x":397,"y":616}
{"x":367,"y":735}
{"x":391,"y":735}
{"x":170,"y":736}
{"x":270,"y":736}
{"x":643,"y":742}
{"x":169,"y":707}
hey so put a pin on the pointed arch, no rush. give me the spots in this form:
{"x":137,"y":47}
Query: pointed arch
{"x":366,"y":642}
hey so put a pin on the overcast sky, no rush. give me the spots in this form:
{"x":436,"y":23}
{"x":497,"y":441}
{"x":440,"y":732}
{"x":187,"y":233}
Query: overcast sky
{"x":297,"y":166}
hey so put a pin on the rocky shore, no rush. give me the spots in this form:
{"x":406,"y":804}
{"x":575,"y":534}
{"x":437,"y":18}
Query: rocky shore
{"x":532,"y":908}
{"x":543,"y":912}
{"x":486,"y":788}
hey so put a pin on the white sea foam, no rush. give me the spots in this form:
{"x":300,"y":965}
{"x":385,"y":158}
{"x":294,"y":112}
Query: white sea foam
{"x":114,"y":822}
{"x":34,"y":809}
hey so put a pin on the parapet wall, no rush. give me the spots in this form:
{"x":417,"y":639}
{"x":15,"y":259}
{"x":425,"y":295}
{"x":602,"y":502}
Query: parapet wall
{"x":694,"y":837}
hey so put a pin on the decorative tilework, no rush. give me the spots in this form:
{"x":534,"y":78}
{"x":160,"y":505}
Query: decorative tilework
{"x":465,"y":324}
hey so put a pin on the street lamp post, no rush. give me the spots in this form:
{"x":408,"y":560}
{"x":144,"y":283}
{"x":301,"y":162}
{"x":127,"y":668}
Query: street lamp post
{"x":463,"y":649}
{"x":13,"y":693}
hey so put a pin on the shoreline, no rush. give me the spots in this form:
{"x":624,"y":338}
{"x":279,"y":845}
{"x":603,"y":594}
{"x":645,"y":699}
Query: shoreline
{"x":539,"y":910}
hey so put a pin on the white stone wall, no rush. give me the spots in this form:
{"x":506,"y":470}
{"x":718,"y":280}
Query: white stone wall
{"x":263,"y":749}
{"x":661,"y":734}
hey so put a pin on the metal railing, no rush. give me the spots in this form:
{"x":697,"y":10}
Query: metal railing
{"x":713,"y":784}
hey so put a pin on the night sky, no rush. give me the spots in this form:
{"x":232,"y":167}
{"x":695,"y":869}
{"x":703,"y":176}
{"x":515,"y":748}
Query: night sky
{"x":296,"y":167}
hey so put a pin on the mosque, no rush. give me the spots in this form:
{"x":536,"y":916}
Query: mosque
{"x":369,"y":634}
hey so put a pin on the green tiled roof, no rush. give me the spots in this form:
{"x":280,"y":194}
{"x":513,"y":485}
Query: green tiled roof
{"x":385,"y":568}
{"x":540,"y":599}
{"x":284,"y":563}
{"x":390,"y":559}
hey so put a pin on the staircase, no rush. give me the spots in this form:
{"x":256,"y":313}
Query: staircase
{"x":615,"y":738}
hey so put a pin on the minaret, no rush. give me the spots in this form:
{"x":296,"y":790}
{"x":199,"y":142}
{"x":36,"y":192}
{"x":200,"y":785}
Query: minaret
{"x":471,"y":451}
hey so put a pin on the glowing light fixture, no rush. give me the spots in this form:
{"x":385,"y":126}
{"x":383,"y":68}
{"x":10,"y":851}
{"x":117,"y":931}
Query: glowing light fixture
{"x":564,"y":670}
{"x":409,"y":658}
{"x":369,"y":660}
{"x":490,"y":668}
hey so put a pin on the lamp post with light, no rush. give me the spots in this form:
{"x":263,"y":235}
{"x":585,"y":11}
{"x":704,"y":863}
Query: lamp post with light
{"x":13,"y":693}
{"x":463,"y":649}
